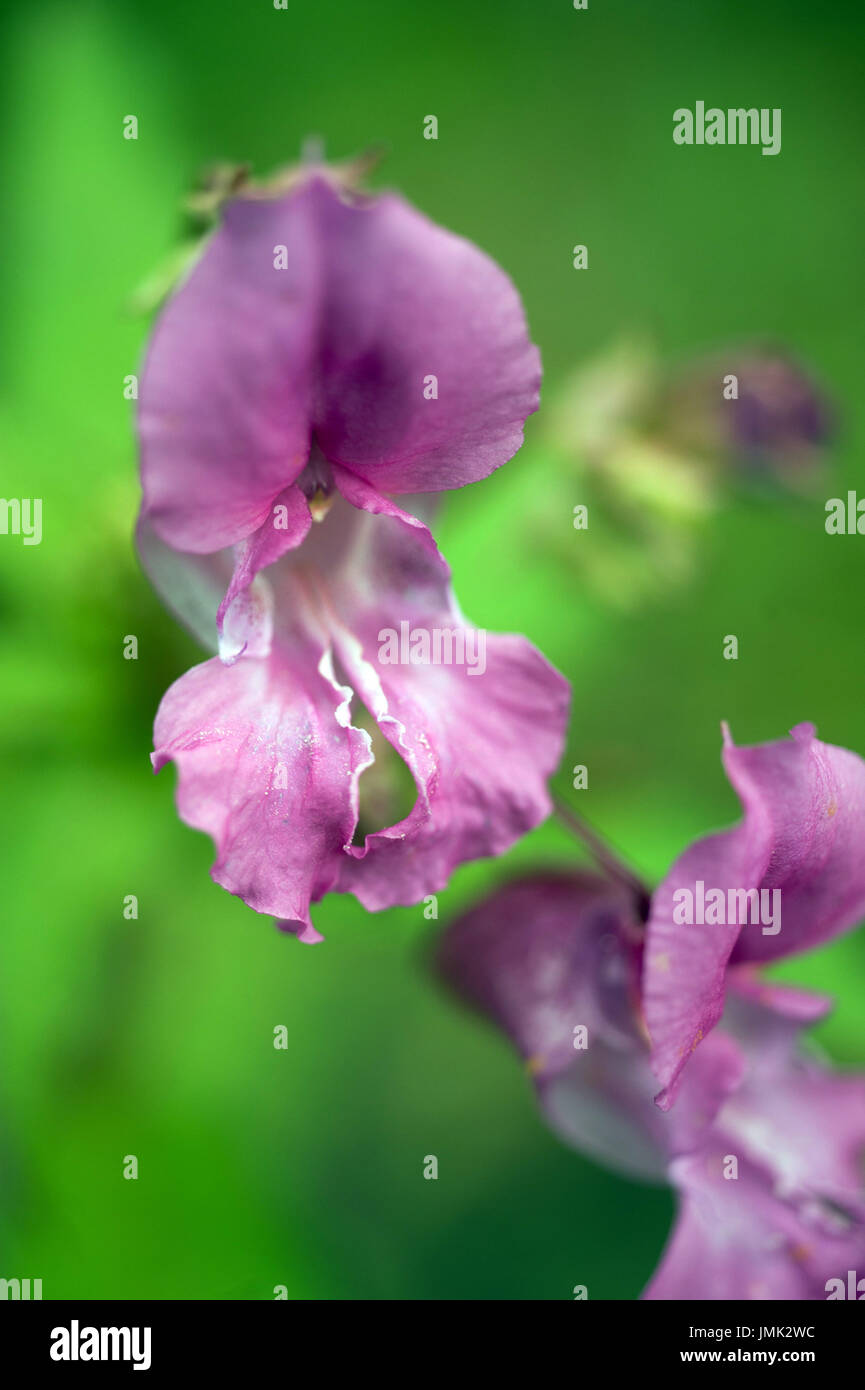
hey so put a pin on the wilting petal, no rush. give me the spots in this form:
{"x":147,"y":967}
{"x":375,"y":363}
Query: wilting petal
{"x":252,"y":363}
{"x":735,"y":1239}
{"x":801,"y":839}
{"x":268,"y":766}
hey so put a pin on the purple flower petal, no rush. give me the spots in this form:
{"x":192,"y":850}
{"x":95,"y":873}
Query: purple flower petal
{"x":603,"y":1105}
{"x":365,"y":497}
{"x":763,"y":1145}
{"x":552,"y":955}
{"x":800,"y":841}
{"x":255,"y":369}
{"x":268,"y":766}
{"x":266,"y":545}
{"x":545,"y":955}
{"x":801,"y":1120}
{"x":190,"y":586}
{"x":480,"y":750}
{"x":480,"y":745}
{"x":553,"y":960}
{"x":799,"y":1005}
{"x":791,"y":1214}
{"x":407,"y":300}
{"x":735,"y":1239}
{"x":229,"y":380}
{"x":481,"y":730}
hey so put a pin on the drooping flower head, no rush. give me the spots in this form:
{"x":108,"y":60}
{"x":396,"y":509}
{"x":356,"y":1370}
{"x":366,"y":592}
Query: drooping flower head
{"x":763,"y":1144}
{"x":327,"y":352}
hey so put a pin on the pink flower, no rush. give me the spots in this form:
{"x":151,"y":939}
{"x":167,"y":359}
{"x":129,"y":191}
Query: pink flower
{"x":326,"y":352}
{"x":602,"y":994}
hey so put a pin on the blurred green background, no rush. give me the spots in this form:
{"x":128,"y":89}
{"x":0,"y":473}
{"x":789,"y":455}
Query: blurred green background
{"x":154,"y":1037}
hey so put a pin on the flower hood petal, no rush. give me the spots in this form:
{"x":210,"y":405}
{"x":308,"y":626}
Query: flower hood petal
{"x":396,"y":348}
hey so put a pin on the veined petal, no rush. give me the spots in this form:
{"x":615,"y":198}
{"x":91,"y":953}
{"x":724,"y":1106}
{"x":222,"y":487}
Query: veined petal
{"x":480,"y":742}
{"x":268,"y":765}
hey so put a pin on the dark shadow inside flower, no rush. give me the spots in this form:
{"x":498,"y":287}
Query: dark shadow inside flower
{"x":834,"y":1214}
{"x":386,"y":790}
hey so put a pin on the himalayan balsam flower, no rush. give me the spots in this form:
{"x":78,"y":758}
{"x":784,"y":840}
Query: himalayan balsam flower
{"x":326,"y":353}
{"x":763,"y":1144}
